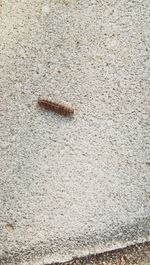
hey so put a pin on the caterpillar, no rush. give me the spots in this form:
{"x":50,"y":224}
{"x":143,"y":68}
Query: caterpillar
{"x":56,"y":107}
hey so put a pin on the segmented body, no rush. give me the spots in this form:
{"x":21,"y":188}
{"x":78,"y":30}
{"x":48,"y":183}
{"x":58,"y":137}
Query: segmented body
{"x":56,"y":107}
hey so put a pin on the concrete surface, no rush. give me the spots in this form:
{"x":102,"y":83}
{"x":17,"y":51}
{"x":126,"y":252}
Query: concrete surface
{"x":72,"y":187}
{"x":132,"y":255}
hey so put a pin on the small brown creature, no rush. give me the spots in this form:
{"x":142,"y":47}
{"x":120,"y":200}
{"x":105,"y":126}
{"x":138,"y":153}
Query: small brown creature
{"x":59,"y":108}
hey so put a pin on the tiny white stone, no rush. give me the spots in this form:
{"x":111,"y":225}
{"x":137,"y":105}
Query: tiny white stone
{"x":45,"y":9}
{"x":112,"y":44}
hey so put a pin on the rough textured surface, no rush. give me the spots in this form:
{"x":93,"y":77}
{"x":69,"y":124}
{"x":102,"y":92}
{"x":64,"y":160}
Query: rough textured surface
{"x":133,"y":255}
{"x":71,"y":187}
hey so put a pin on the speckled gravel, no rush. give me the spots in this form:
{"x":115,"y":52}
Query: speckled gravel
{"x":134,"y":255}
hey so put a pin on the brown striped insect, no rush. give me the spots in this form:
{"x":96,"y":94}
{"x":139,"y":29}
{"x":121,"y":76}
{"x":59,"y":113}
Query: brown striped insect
{"x":56,"y":107}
